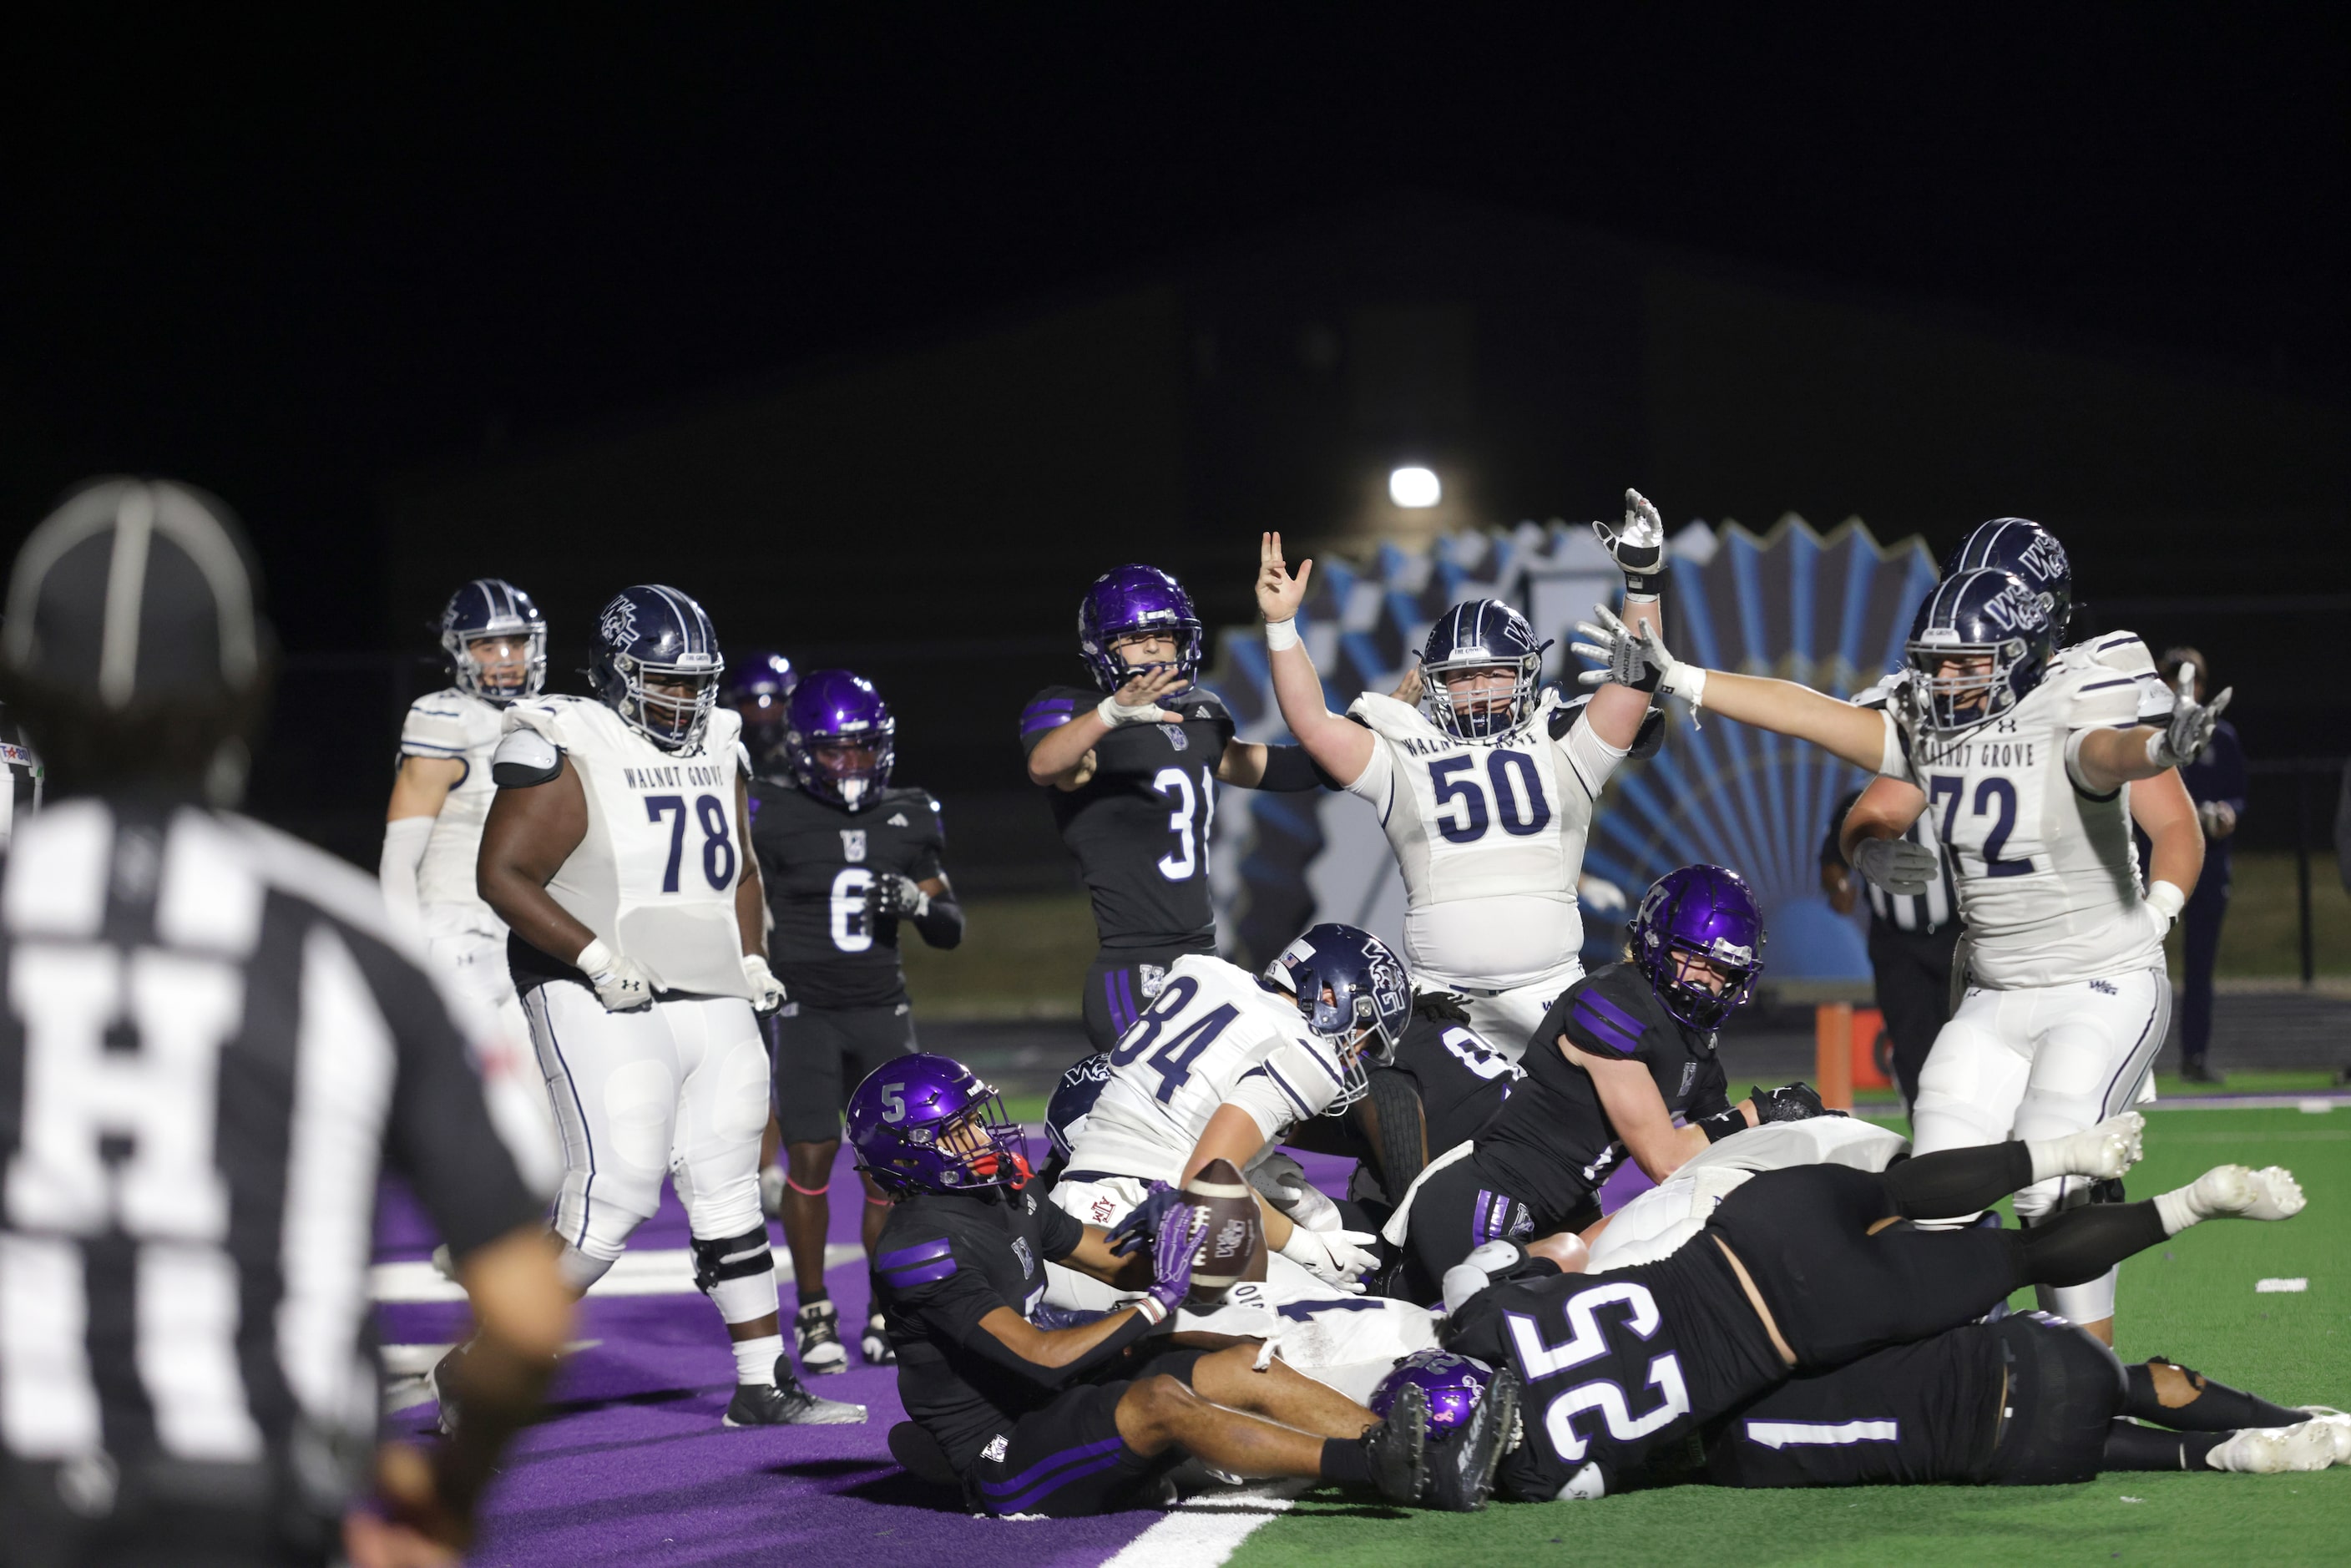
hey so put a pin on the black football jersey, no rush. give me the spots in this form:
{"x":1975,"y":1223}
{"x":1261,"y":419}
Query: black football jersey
{"x":944,"y":1262}
{"x":1462,"y":1079}
{"x":1139,"y":828}
{"x":1619,"y":1368}
{"x":1552,"y":1145}
{"x":818,"y":861}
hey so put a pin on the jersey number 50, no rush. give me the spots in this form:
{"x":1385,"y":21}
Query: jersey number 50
{"x":1517,"y":796}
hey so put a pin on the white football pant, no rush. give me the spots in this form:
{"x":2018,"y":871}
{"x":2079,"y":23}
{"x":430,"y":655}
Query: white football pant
{"x":1507,"y":1018}
{"x":2041,"y":1063}
{"x":629,"y":1088}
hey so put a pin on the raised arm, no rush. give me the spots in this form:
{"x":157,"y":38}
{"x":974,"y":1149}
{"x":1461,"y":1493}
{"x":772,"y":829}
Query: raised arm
{"x":1341,"y":748}
{"x":2102,"y":760}
{"x":1638,"y":550}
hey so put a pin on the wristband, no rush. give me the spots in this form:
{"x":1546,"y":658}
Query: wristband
{"x":594,"y":958}
{"x":2156,"y":749}
{"x":1280,"y":634}
{"x":1152,"y":1310}
{"x":1636,"y":592}
{"x":2165,"y":899}
{"x":1686,"y":682}
{"x":1722,"y":1125}
{"x":1116,"y":713}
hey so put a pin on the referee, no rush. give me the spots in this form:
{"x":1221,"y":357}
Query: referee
{"x":1911,"y":941}
{"x":211,"y":1042}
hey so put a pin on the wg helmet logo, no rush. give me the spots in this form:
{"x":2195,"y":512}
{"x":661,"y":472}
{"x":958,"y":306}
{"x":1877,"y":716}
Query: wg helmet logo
{"x":2017,"y":607}
{"x":620,"y":623}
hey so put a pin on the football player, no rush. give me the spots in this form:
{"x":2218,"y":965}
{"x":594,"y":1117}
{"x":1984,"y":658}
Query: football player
{"x":496,"y":643}
{"x":618,"y":853}
{"x":758,"y":689}
{"x":1132,"y":765}
{"x":1623,"y":1055}
{"x":2026,"y":760}
{"x":846,"y":859}
{"x":1088,"y":1418}
{"x":1798,"y":1272}
{"x":1485,"y":788}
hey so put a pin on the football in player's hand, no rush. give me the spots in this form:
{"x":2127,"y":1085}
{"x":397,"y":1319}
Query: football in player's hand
{"x":1232,"y":1244}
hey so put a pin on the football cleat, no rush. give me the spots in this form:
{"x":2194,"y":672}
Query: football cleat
{"x":2234,"y":1192}
{"x":2337,"y":1425}
{"x":442,"y":1383}
{"x":1398,"y":1447}
{"x":1461,"y":1466}
{"x":2274,"y":1450}
{"x":786,"y":1403}
{"x":874,"y":1345}
{"x":816,"y":1333}
{"x":2107,"y":1150}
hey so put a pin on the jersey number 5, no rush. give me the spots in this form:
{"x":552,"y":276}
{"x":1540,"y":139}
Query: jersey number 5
{"x":1518,"y":797}
{"x":1587,"y":1340}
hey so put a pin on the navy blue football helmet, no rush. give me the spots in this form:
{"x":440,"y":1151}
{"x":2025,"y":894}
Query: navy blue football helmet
{"x":492,"y":607}
{"x":1996,"y":617}
{"x":1476,"y":635}
{"x":1352,"y":990}
{"x":2023,"y":547}
{"x":654,"y":636}
{"x":1073,"y":1101}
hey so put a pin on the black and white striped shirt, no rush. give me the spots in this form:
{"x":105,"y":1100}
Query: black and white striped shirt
{"x":1919,"y":914}
{"x":213,"y":1041}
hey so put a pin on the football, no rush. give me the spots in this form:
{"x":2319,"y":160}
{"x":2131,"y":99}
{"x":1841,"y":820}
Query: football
{"x":1232,"y":1248}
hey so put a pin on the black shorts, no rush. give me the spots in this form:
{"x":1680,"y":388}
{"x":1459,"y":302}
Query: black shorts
{"x":1067,"y":1460}
{"x":821,"y":1055}
{"x":1122,"y":983}
{"x":1456,"y":1211}
{"x":2064,"y":1389}
{"x":1839,"y":1292}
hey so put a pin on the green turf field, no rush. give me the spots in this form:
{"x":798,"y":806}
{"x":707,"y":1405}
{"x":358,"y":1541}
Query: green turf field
{"x":2193,"y":1300}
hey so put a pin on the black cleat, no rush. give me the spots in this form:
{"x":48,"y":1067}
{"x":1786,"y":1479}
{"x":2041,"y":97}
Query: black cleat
{"x":786,"y":1403}
{"x":442,"y":1380}
{"x":1461,"y":1468}
{"x":1398,"y":1447}
{"x":874,"y":1345}
{"x":816,"y":1333}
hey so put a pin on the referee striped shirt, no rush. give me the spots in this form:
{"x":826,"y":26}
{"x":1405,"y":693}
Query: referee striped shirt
{"x":213,"y":1041}
{"x":1915,"y":914}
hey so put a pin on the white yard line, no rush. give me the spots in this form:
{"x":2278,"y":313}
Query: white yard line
{"x":666,"y":1271}
{"x":1207,"y":1530}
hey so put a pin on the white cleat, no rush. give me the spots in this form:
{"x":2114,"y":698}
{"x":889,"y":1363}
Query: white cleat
{"x":2105,"y":1152}
{"x":2336,"y":1423}
{"x":2275,"y":1450}
{"x":2233,"y":1192}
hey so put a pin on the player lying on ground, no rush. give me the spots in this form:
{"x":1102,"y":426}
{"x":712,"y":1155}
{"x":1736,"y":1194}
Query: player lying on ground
{"x":1620,"y":1053}
{"x":847,"y":861}
{"x":1132,"y":765}
{"x":1800,"y":1271}
{"x":1486,"y":789}
{"x":1089,"y":1418}
{"x":2028,"y":758}
{"x":1227,"y":1065}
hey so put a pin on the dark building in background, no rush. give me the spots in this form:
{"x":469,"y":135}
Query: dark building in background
{"x":930,"y":512}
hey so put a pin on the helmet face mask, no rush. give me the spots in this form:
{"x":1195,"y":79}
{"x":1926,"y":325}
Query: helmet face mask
{"x":1353,"y":991}
{"x":1131,"y":600}
{"x":840,"y":739}
{"x":657,"y":665}
{"x":1698,"y":939}
{"x":497,"y":642}
{"x":1481,"y":672}
{"x":759,"y":689}
{"x":1979,"y":646}
{"x":925,"y":1122}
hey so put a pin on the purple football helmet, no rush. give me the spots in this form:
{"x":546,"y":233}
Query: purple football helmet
{"x":1130,"y":598}
{"x":903,"y":1118}
{"x":1454,"y":1385}
{"x":757,"y":688}
{"x":835,"y":712}
{"x":1705,"y":910}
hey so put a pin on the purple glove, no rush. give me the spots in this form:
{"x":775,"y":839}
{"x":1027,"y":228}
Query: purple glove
{"x":1174,"y":1253}
{"x":1141,"y":1226}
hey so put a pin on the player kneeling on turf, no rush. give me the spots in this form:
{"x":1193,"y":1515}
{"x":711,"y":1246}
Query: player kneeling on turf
{"x":1089,"y":1418}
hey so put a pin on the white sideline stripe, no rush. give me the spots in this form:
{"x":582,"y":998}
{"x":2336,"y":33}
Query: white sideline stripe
{"x":1204,"y":1530}
{"x":2273,"y":1287}
{"x":667,"y":1271}
{"x":1781,"y":1433}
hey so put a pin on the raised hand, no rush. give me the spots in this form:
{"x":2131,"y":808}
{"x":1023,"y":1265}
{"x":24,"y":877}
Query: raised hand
{"x":1137,"y":702}
{"x":1279,"y":594}
{"x":2183,"y":741}
{"x":1638,"y":547}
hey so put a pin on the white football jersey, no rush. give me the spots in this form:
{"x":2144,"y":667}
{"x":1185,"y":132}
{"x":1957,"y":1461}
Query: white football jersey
{"x":1213,"y":1036}
{"x":2047,"y":874}
{"x":655,"y":875}
{"x":1490,"y":839}
{"x":462,"y":728}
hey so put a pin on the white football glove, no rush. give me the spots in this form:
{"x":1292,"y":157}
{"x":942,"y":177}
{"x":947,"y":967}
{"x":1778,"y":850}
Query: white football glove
{"x":1282,"y":1183}
{"x":1636,"y":658}
{"x":1334,"y":1257}
{"x":898,"y":897}
{"x":1638,"y":549}
{"x":620,"y":984}
{"x":766,"y":992}
{"x":1902,"y":868}
{"x":2183,"y":741}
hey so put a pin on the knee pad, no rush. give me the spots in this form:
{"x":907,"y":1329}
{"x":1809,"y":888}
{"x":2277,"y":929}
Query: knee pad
{"x":2044,"y":1200}
{"x":640,"y":1106}
{"x":2089,"y":1302}
{"x":737,"y":1273}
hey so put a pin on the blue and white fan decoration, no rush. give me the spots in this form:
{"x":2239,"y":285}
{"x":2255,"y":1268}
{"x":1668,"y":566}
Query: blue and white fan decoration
{"x":1829,"y":610}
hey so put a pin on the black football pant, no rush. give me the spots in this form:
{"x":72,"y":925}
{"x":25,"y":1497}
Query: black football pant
{"x":1122,"y":983}
{"x":1913,"y":976}
{"x":1844,"y":1276}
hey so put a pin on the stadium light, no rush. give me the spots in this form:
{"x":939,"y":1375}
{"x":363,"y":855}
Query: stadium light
{"x":1414,"y":487}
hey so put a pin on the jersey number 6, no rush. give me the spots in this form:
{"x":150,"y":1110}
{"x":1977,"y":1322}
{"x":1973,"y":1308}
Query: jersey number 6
{"x":1520,"y":801}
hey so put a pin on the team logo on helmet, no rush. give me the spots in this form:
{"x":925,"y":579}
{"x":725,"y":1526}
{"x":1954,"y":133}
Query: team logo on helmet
{"x":620,"y":623}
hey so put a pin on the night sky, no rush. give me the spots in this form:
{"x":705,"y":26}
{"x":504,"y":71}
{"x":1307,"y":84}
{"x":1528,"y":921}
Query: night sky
{"x":291,"y":259}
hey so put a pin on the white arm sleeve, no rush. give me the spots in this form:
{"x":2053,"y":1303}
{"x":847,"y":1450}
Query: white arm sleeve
{"x":1376,"y":782}
{"x":1591,"y":758}
{"x":403,"y":850}
{"x":1892,"y":763}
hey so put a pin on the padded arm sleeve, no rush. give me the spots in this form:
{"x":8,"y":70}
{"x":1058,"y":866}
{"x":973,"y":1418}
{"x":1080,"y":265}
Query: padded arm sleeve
{"x":1591,"y":758}
{"x":1288,"y":770}
{"x":404,"y":839}
{"x":524,"y":758}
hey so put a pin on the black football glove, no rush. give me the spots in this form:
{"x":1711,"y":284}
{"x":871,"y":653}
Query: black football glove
{"x":898,"y":897}
{"x":1441,"y":1006}
{"x":1797,"y":1101}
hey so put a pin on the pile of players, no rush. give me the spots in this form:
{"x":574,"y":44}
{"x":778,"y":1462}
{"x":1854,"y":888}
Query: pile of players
{"x":1803,"y":1299}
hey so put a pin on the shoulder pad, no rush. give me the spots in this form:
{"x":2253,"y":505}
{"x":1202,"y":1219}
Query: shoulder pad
{"x":1383,"y":715}
{"x":2120,"y":651}
{"x":1200,"y":703}
{"x":524,"y":758}
{"x":1890,"y":691}
{"x":1049,"y":709}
